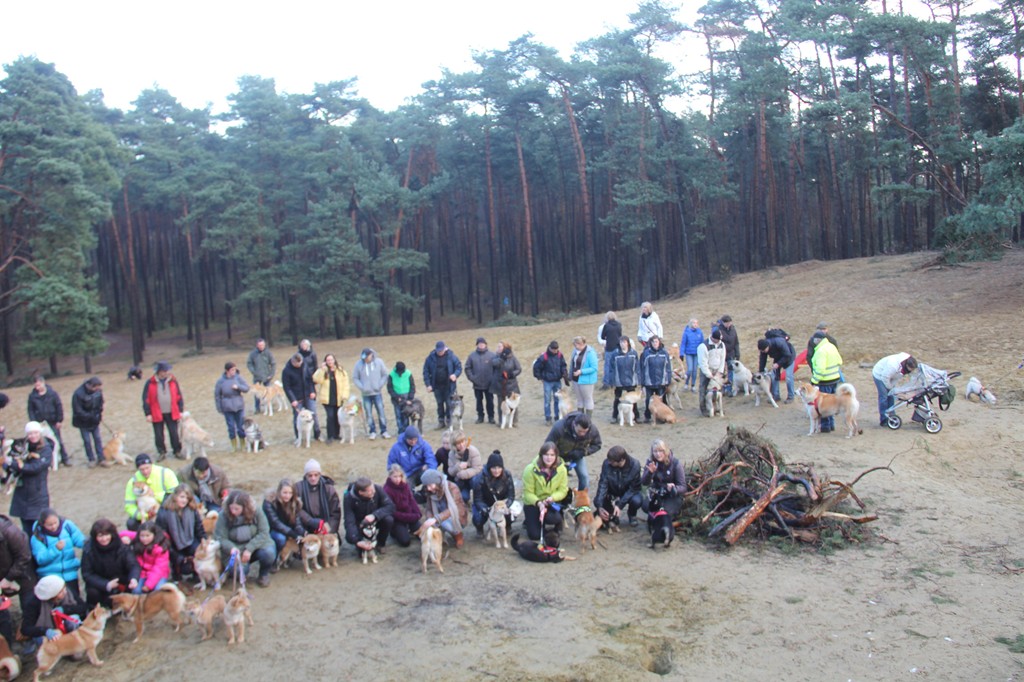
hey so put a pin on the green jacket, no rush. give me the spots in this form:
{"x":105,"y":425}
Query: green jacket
{"x":536,"y":487}
{"x":826,"y":364}
{"x":161,"y":481}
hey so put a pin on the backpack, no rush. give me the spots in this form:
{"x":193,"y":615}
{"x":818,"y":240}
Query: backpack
{"x":772,"y":333}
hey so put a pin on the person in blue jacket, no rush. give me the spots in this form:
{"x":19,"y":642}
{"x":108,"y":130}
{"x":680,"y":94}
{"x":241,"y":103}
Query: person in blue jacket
{"x":413,"y":454}
{"x":693,"y":336}
{"x":53,"y":541}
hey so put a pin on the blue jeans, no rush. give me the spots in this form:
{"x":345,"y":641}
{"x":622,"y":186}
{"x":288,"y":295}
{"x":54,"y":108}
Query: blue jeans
{"x":465,"y":486}
{"x":138,"y":588}
{"x":691,"y":370}
{"x":607,"y":368}
{"x":93,"y":444}
{"x":279,"y":540}
{"x":582,"y":476}
{"x":371,"y":402}
{"x":790,"y":388}
{"x":265,"y":556}
{"x":828,"y":422}
{"x":550,"y":388}
{"x":885,"y":401}
{"x":234,"y":421}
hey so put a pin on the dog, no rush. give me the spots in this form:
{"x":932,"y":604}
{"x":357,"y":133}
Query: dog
{"x":145,"y":499}
{"x":663,"y":414}
{"x":508,"y":409}
{"x":761,"y":384}
{"x":207,"y":563}
{"x":587,"y":523}
{"x":741,"y":378}
{"x":369,"y":533}
{"x":253,"y":436}
{"x":84,"y":640}
{"x":330,"y":547}
{"x":18,"y":450}
{"x":290,"y":549}
{"x":270,"y":396}
{"x":194,"y":439}
{"x":413,"y":411}
{"x":305,"y":421}
{"x":820,"y":405}
{"x":210,"y":522}
{"x":538,"y":554}
{"x":142,"y":607}
{"x":663,"y":507}
{"x":311,"y":545}
{"x":113,"y":450}
{"x":456,"y":408}
{"x":205,"y":614}
{"x":134,"y":373}
{"x":627,"y":406}
{"x":564,"y":402}
{"x":431,"y":546}
{"x":713,"y":398}
{"x":496,"y":529}
{"x":975,"y":388}
{"x":236,"y":612}
{"x":349,"y":414}
{"x":10,"y":665}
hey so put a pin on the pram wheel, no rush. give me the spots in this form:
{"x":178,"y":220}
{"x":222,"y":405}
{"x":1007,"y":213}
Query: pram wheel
{"x":894,"y":422}
{"x":933,"y":425}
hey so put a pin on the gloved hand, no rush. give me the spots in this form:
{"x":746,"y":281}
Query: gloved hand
{"x":52,"y":633}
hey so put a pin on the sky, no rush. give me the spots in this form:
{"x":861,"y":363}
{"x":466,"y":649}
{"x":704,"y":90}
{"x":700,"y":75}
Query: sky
{"x":198,"y":50}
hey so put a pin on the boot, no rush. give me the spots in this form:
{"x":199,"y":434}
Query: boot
{"x":234,"y":445}
{"x":459,"y":540}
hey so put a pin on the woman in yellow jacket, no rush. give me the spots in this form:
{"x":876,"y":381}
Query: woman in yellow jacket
{"x":545,"y":490}
{"x":332,"y":390}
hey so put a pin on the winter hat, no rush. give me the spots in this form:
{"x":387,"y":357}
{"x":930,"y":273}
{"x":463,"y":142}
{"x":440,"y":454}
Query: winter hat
{"x":142,"y":458}
{"x":33,"y":427}
{"x":411,"y":433}
{"x":495,"y":460}
{"x":439,"y":346}
{"x":163,"y":366}
{"x":480,"y":340}
{"x":49,"y":587}
{"x":822,"y":326}
{"x":311,"y":466}
{"x":431,"y":477}
{"x":717,"y":335}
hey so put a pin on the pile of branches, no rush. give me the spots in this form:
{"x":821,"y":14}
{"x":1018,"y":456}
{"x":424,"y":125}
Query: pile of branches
{"x":745,"y":488}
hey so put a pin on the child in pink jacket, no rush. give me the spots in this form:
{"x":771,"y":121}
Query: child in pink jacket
{"x":152,"y":551}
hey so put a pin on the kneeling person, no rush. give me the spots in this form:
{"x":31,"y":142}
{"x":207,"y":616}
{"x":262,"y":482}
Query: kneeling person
{"x":619,"y":486}
{"x":367,"y":503}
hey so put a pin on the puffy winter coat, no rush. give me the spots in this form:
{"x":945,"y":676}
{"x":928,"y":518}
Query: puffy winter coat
{"x":655,"y":366}
{"x":52,"y":561}
{"x":505,"y":378}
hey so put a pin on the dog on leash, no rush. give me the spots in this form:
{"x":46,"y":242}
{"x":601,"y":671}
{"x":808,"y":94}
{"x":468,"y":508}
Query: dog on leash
{"x":113,"y":450}
{"x":290,"y":549}
{"x":194,"y":439}
{"x":431,"y":546}
{"x":304,"y":421}
{"x":83,"y":640}
{"x":205,"y":613}
{"x":628,"y":402}
{"x":508,"y":409}
{"x":587,"y":523}
{"x":663,"y":507}
{"x":237,"y":611}
{"x":413,"y":411}
{"x":663,"y":414}
{"x":311,"y":545}
{"x":761,"y":384}
{"x":253,"y":436}
{"x":713,"y":398}
{"x":538,"y":554}
{"x":496,"y":529}
{"x":456,"y":408}
{"x":134,"y":373}
{"x":271,"y":397}
{"x":564,"y":401}
{"x":820,"y":405}
{"x":976,"y":389}
{"x":10,"y":665}
{"x":369,"y":533}
{"x":207,"y":564}
{"x":330,"y":548}
{"x":142,"y":607}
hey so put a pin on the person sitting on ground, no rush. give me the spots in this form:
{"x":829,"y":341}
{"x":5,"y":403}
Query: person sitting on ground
{"x":285,"y":515}
{"x":663,"y":471}
{"x":407,"y":512}
{"x":108,"y":565}
{"x":53,"y":543}
{"x":545,"y":493}
{"x":619,"y":486}
{"x":244,"y":534}
{"x":159,"y":479}
{"x":151,"y":548}
{"x":490,"y":485}
{"x":464,"y":462}
{"x":443,"y":453}
{"x":365,"y":503}
{"x":180,"y":519}
{"x":445,"y":507}
{"x":576,"y":438}
{"x":413,"y":453}
{"x":319,"y":499}
{"x":208,"y":482}
{"x":51,"y":610}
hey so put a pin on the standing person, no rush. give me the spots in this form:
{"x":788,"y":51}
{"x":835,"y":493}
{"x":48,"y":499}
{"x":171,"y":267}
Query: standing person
{"x":371,"y":376}
{"x":243,"y":532}
{"x":332,"y":389}
{"x":826,"y":369}
{"x":108,"y":565}
{"x":711,"y":363}
{"x":545,"y":492}
{"x":551,"y":369}
{"x":413,"y":454}
{"x":298,"y":387}
{"x":86,"y":416}
{"x":576,"y":438}
{"x":160,"y":480}
{"x":309,"y":365}
{"x":285,"y":515}
{"x":261,"y":366}
{"x":32,"y":493}
{"x":163,"y":404}
{"x":776,"y":345}
{"x":609,"y":335}
{"x":366,"y":502}
{"x":464,"y":463}
{"x":655,"y":372}
{"x":179,"y":517}
{"x":407,"y":511}
{"x":45,"y":407}
{"x":823,"y":328}
{"x":490,"y":485}
{"x":505,"y":377}
{"x":619,"y":486}
{"x":731,"y":340}
{"x":693,"y":336}
{"x":886,"y":373}
{"x":402,"y":389}
{"x":480,"y":372}
{"x":208,"y":482}
{"x":227,"y":396}
{"x":625,"y":375}
{"x":441,"y":370}
{"x":54,"y":540}
{"x":583,"y":370}
{"x":649,"y":324}
{"x":319,"y":499}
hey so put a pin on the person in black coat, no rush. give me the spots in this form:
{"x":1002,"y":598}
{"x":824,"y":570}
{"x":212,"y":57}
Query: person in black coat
{"x":365,"y":501}
{"x":776,"y":346}
{"x":551,"y":369}
{"x":45,"y":406}
{"x":285,"y":515}
{"x":441,"y":369}
{"x":576,"y":438}
{"x":299,"y":389}
{"x":490,"y":485}
{"x":108,"y":565}
{"x":31,"y":494}
{"x":619,"y":486}
{"x":611,"y":330}
{"x":86,"y":415}
{"x":17,"y":572}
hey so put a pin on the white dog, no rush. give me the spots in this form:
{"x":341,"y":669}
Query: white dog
{"x":508,"y":409}
{"x":348,"y":414}
{"x":761,"y":384}
{"x":741,"y":378}
{"x":194,"y":439}
{"x":627,"y":403}
{"x":975,"y":388}
{"x":713,"y":399}
{"x":304,"y":421}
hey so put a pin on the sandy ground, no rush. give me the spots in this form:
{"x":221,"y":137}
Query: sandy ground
{"x":926,"y":600}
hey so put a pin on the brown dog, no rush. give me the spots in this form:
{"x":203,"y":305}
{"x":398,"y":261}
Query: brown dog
{"x":84,"y":640}
{"x":311,"y":552}
{"x":207,"y":563}
{"x":10,"y":666}
{"x":330,"y":547}
{"x":210,"y":522}
{"x":142,"y":607}
{"x":205,"y":613}
{"x":662,"y":413}
{"x":113,"y":450}
{"x":236,"y":612}
{"x":587,"y":523}
{"x":820,"y":405}
{"x":431,"y":546}
{"x":290,"y":549}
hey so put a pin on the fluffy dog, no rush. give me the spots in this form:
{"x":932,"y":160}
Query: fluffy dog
{"x":431,"y":546}
{"x":456,"y":408}
{"x":236,"y":612}
{"x":210,"y":522}
{"x":508,"y":409}
{"x":194,"y":439}
{"x":113,"y":450}
{"x":741,"y":378}
{"x":587,"y":523}
{"x":349,"y":415}
{"x":253,"y":436}
{"x":304,"y":421}
{"x":663,"y":507}
{"x":369,"y":533}
{"x":761,"y":384}
{"x":142,"y":607}
{"x":311,"y":545}
{"x":10,"y":665}
{"x":207,"y":564}
{"x":84,"y":640}
{"x":975,"y":388}
{"x":820,"y":405}
{"x":330,"y":547}
{"x":531,"y":551}
{"x":662,"y":413}
{"x":290,"y":549}
{"x":413,"y":411}
{"x":565,"y":403}
{"x":627,"y":405}
{"x":145,"y":499}
{"x":713,"y":398}
{"x":495,"y":530}
{"x":134,"y":373}
{"x":271,"y":397}
{"x":205,"y":614}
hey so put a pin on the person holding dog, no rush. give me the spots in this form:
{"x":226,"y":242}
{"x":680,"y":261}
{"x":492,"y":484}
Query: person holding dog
{"x":445,"y":507}
{"x":159,"y":479}
{"x":407,"y":512}
{"x":655,"y":372}
{"x":776,"y":345}
{"x":711,"y":364}
{"x":86,"y":416}
{"x":441,"y":370}
{"x":693,"y":336}
{"x":576,"y":437}
{"x":209,"y":483}
{"x":826,"y":370}
{"x":545,"y":492}
{"x":244,"y":534}
{"x":663,"y":471}
{"x":619,"y":487}
{"x":371,"y":376}
{"x":49,"y":611}
{"x":551,"y":369}
{"x":490,"y":485}
{"x":285,"y":514}
{"x":366,"y":503}
{"x":332,"y":390}
{"x":624,"y":375}
{"x":319,"y":499}
{"x":181,"y":520}
{"x":402,"y":389}
{"x":480,"y":372}
{"x":228,"y":399}
{"x":32,"y":493}
{"x":45,"y":407}
{"x":261,"y":366}
{"x":505,"y":375}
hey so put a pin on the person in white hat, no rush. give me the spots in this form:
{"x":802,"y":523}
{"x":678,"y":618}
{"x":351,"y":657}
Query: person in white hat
{"x":49,"y":612}
{"x":32,"y":494}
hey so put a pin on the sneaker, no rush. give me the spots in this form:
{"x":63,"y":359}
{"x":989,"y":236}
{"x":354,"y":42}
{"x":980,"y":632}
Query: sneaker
{"x":263,"y":581}
{"x":92,"y":464}
{"x":693,"y":389}
{"x":479,"y":420}
{"x":161,"y":456}
{"x":787,"y":401}
{"x":633,"y":522}
{"x":373,"y":436}
{"x":491,"y":420}
{"x":385,"y":435}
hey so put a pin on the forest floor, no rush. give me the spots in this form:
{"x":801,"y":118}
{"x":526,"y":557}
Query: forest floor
{"x":927,"y":598}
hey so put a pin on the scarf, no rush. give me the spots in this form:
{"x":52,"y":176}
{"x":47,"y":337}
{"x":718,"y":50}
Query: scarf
{"x":435,"y":505}
{"x":181,"y":528}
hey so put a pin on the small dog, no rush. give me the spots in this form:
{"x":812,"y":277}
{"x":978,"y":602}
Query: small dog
{"x":531,"y":551}
{"x":820,"y":405}
{"x":431,"y":546}
{"x":975,"y":388}
{"x":565,"y":403}
{"x":205,"y":614}
{"x":330,"y":547}
{"x":662,"y":413}
{"x":305,"y":421}
{"x":761,"y":384}
{"x":627,"y":406}
{"x":134,"y":373}
{"x":413,"y":411}
{"x":713,"y":398}
{"x":142,"y":607}
{"x":207,"y":564}
{"x":508,"y":409}
{"x":10,"y":665}
{"x":741,"y":378}
{"x":236,"y":612}
{"x":369,"y":533}
{"x":456,"y":408}
{"x":496,"y":530}
{"x":253,"y":436}
{"x":290,"y":549}
{"x":84,"y":640}
{"x":18,"y":450}
{"x":145,"y":499}
{"x":270,"y":396}
{"x":194,"y":439}
{"x":587,"y":524}
{"x":210,"y":522}
{"x":311,"y":545}
{"x":113,"y":450}
{"x":663,"y":507}
{"x":348,"y":415}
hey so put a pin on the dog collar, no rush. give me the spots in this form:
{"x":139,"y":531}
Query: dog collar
{"x":581,"y":510}
{"x":814,"y":404}
{"x":660,"y":512}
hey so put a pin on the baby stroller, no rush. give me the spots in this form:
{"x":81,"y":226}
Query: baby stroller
{"x":924,"y":390}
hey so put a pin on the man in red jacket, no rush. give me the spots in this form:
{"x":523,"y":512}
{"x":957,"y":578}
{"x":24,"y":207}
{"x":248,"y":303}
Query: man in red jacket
{"x":163,"y":404}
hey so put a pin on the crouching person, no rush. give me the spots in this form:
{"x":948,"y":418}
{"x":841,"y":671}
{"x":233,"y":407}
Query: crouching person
{"x":445,"y":507}
{"x":619,"y":487}
{"x":367,"y":504}
{"x":490,"y":485}
{"x":407,"y":513}
{"x":243,"y":532}
{"x":50,"y":611}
